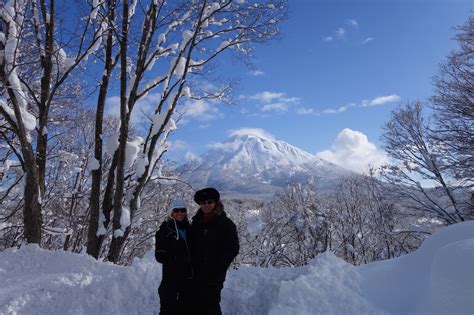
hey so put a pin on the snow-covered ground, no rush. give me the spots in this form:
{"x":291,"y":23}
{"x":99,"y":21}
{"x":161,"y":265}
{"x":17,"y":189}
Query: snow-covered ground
{"x":436,"y":279}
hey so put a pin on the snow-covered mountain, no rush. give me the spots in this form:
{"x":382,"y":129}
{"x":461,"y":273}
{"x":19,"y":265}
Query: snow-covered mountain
{"x":253,"y":162}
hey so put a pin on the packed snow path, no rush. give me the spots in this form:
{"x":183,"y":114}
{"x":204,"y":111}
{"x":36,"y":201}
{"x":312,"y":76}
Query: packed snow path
{"x":438,"y":278}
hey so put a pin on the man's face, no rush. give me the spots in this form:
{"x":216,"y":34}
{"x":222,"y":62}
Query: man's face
{"x":207,"y":206}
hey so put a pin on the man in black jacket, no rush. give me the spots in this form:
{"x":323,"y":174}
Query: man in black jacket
{"x":214,"y":244}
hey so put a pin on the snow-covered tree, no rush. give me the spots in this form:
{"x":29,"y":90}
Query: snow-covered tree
{"x":358,"y":222}
{"x":434,"y":154}
{"x":453,"y":105}
{"x":164,"y":49}
{"x":38,"y":55}
{"x":364,"y":223}
{"x":287,"y":231}
{"x":422,"y":171}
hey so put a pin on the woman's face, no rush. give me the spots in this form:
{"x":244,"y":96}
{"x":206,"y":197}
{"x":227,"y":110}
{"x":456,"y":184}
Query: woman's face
{"x":179,"y":214}
{"x":207,"y":206}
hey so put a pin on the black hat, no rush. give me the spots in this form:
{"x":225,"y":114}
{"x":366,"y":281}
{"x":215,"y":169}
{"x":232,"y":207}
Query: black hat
{"x":206,"y":194}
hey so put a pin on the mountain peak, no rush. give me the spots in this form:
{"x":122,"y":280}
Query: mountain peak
{"x":251,"y":133}
{"x":253,"y":161}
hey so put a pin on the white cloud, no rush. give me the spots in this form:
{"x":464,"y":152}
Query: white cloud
{"x":380,"y":100}
{"x":258,"y":132}
{"x":201,"y":110}
{"x":266,"y":96}
{"x":242,"y":132}
{"x":112,"y":106}
{"x":335,"y":110}
{"x":338,"y":110}
{"x":190,"y":156}
{"x":353,"y":23}
{"x":179,"y":145}
{"x":352,"y":150}
{"x":292,"y":100}
{"x":276,"y":107}
{"x":305,"y":111}
{"x":338,"y":35}
{"x":142,"y":110}
{"x":367,"y":40}
{"x":257,"y":72}
{"x":340,"y":32}
{"x":244,"y":111}
{"x":346,"y":29}
{"x":274,"y":101}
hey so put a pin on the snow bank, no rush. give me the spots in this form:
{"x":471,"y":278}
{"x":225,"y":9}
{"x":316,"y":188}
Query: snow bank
{"x":327,"y":285}
{"x":36,"y":281}
{"x":438,"y":278}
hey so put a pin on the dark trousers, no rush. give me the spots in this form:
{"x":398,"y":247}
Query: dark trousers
{"x":207,"y":298}
{"x":173,"y":297}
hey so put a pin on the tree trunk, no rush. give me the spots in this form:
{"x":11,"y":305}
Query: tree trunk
{"x":117,"y":241}
{"x":32,"y":209}
{"x":32,"y":217}
{"x":43,"y":106}
{"x":116,"y":246}
{"x":94,"y":242}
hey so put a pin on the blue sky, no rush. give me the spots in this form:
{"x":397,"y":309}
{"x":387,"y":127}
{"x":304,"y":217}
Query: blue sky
{"x":339,"y":64}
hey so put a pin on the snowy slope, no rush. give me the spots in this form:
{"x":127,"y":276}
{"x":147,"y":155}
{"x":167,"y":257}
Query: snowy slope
{"x":253,"y":162}
{"x":436,"y":279}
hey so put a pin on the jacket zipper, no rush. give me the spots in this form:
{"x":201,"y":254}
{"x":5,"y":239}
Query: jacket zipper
{"x":189,"y":256}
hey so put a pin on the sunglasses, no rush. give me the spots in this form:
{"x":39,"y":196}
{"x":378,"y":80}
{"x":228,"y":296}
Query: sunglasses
{"x":207,"y":202}
{"x":182,"y":210}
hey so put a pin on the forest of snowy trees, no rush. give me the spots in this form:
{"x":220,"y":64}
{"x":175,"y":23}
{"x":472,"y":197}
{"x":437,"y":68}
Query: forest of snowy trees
{"x":75,"y":179}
